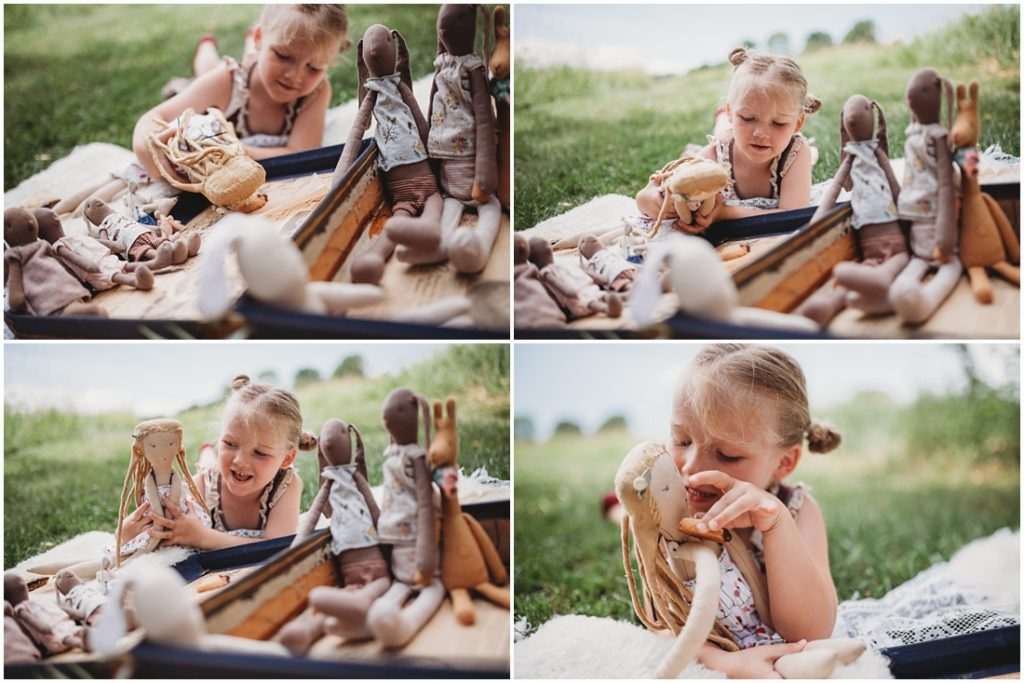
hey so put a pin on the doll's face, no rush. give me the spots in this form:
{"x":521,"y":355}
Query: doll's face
{"x":20,"y":227}
{"x":858,"y":119}
{"x":289,"y":70}
{"x":669,"y":491}
{"x":160,"y":448}
{"x":401,"y":416}
{"x":762,"y":127}
{"x":378,"y":51}
{"x":250,"y":453}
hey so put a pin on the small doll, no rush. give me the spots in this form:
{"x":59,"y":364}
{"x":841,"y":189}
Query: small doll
{"x":88,"y":259}
{"x":345,"y":497}
{"x":385,"y":91}
{"x":883,"y":248}
{"x":18,"y":647}
{"x":406,"y":523}
{"x":468,"y":558}
{"x":534,"y":305}
{"x":605,"y":267}
{"x":927,"y":200}
{"x":571,"y":287}
{"x":51,"y":629}
{"x":37,"y":281}
{"x":138,"y":244}
{"x":462,"y":137}
{"x":80,"y":601}
{"x":156,"y":447}
{"x":987,"y":239}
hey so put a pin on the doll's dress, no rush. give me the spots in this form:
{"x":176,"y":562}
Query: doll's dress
{"x":49,"y":288}
{"x":272,"y":493}
{"x":871,"y":198}
{"x":534,"y":305}
{"x":919,"y":193}
{"x":237,"y":111}
{"x":398,"y":507}
{"x":608,"y":269}
{"x":351,"y":522}
{"x":585,"y":290}
{"x":81,"y":601}
{"x":397,"y":135}
{"x":736,"y":610}
{"x":186,"y":505}
{"x":95,"y":251}
{"x":61,"y":625}
{"x":135,"y":237}
{"x":452,"y":136}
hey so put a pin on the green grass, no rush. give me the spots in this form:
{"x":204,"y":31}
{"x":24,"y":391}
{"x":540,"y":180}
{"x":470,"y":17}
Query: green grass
{"x":580,"y":134}
{"x":63,"y":472}
{"x":892,"y":507}
{"x":75,"y":74}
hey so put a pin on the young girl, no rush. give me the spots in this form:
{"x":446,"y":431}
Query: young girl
{"x":739,"y":420}
{"x":252,"y":493}
{"x":769,"y":161}
{"x":278,"y":96}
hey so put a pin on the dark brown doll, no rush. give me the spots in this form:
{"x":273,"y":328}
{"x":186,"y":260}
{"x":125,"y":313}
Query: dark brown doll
{"x":385,"y":92}
{"x":89,"y":260}
{"x":135,"y":242}
{"x":407,"y":523}
{"x":571,"y":287}
{"x":345,"y":498}
{"x":605,"y":267}
{"x":37,"y":281}
{"x":51,"y":630}
{"x":534,"y":305}
{"x":501,"y":69}
{"x":864,"y":169}
{"x":927,"y":200}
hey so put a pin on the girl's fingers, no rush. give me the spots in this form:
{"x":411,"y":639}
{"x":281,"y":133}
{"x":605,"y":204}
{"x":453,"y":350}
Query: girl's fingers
{"x":162,"y":521}
{"x":160,"y":533}
{"x":171,"y":507}
{"x":720,"y":504}
{"x":743,"y":503}
{"x":720,"y":480}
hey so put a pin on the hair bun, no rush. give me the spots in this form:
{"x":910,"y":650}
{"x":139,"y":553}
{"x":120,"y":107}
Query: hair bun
{"x":239,"y":382}
{"x":822,"y":437}
{"x":738,"y":56}
{"x":307,"y":441}
{"x":811,"y":103}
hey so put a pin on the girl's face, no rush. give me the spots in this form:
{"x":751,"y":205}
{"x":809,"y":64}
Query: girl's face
{"x":288,"y":71}
{"x":250,"y":455}
{"x":160,"y":448}
{"x":762,"y":128}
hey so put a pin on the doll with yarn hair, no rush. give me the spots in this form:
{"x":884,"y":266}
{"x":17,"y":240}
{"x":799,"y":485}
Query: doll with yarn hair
{"x":156,"y":447}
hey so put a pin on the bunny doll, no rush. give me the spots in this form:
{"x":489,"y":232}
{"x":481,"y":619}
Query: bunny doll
{"x":385,"y":91}
{"x":865,"y":163}
{"x":605,"y":267}
{"x":136,"y":242}
{"x":570,"y":286}
{"x":51,"y":629}
{"x":462,"y":137}
{"x":534,"y":305}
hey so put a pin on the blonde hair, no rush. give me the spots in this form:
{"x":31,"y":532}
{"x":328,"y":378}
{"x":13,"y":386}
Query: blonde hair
{"x":139,"y":468}
{"x":318,"y":25}
{"x":775,"y":76}
{"x":254,"y":401}
{"x":723,"y":379}
{"x":666,"y":599}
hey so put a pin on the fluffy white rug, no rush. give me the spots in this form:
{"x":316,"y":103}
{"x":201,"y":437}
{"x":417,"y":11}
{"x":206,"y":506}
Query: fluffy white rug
{"x":89,"y":546}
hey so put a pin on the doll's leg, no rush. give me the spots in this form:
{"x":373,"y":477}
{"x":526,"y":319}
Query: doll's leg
{"x":980,"y":284}
{"x":451,"y":215}
{"x":85,"y":309}
{"x":369,"y":267}
{"x":179,"y":252}
{"x":468,"y":249}
{"x":141,"y":278}
{"x":499,"y":595}
{"x":824,"y":305}
{"x":418,"y":233}
{"x":610,"y":305}
{"x":155,"y":259}
{"x":348,"y":607}
{"x":872,"y":280}
{"x":1008,"y":271}
{"x":918,"y":303}
{"x":394,"y":628}
{"x":298,"y":635}
{"x":462,"y":605}
{"x":193,"y":241}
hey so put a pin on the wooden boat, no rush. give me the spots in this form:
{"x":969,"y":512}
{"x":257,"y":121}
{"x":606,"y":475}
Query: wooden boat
{"x":330,"y":227}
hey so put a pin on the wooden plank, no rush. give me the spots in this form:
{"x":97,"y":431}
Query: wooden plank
{"x":367,"y":210}
{"x":270,"y":616}
{"x":808,"y":276}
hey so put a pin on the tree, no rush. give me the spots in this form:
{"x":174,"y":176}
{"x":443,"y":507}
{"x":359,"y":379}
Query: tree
{"x":817,"y":40}
{"x":350,"y":366}
{"x":306,"y":376}
{"x":615,"y":422}
{"x":524,"y":429}
{"x":568,"y":427}
{"x":269,"y":377}
{"x":748,"y":43}
{"x":779,"y":42}
{"x":862,"y":32}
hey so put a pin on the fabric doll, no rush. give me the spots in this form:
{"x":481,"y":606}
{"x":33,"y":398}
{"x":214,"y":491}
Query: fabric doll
{"x":88,"y":259}
{"x":345,"y":497}
{"x":273,"y":271}
{"x":385,"y":91}
{"x":571,"y":287}
{"x":987,"y":239}
{"x":18,"y":647}
{"x":501,"y":69}
{"x":927,"y":200}
{"x":406,"y":523}
{"x":156,"y":447}
{"x":462,"y":137}
{"x":37,"y":281}
{"x":605,"y":267}
{"x":80,"y":601}
{"x":534,"y":305}
{"x":51,"y":630}
{"x":468,"y":558}
{"x":138,"y":244}
{"x":883,"y":248}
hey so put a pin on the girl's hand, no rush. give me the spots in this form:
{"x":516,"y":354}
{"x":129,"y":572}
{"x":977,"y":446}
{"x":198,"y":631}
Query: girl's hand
{"x":741,"y":505}
{"x":754,"y":662}
{"x":137,"y":522}
{"x":701,"y":223}
{"x":179,"y":528}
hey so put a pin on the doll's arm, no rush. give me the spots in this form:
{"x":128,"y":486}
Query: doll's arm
{"x":1011,"y":243}
{"x":492,"y":559}
{"x":894,"y":184}
{"x":551,"y":279}
{"x":486,"y":164}
{"x":113,"y":246}
{"x":417,"y":114}
{"x":945,"y":222}
{"x":153,"y":496}
{"x":33,"y":618}
{"x":15,"y":283}
{"x":313,"y":516}
{"x":371,"y":502}
{"x":426,"y":539}
{"x":77,"y":259}
{"x":355,"y":136}
{"x":834,"y":189}
{"x":175,"y":493}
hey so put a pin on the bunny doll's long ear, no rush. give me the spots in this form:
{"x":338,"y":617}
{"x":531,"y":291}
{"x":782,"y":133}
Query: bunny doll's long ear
{"x":947,"y":87}
{"x":646,"y":290}
{"x":881,"y":134}
{"x":485,"y":27}
{"x":361,"y":69}
{"x":402,"y":61}
{"x":425,"y":416}
{"x":844,"y":137}
{"x":213,"y":298}
{"x":360,"y":451}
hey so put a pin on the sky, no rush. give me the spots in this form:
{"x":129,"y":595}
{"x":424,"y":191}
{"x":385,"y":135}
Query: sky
{"x":673,"y":39}
{"x":159,"y":378}
{"x":589,"y":383}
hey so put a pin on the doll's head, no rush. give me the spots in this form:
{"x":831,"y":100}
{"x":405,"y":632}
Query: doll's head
{"x":520,"y":250}
{"x":381,"y":52}
{"x":966,"y":130}
{"x":296,"y":46}
{"x":857,"y":123}
{"x":261,"y":430}
{"x":768,"y":101}
{"x":20,"y":227}
{"x":590,"y":245}
{"x":15,"y":589}
{"x":334,"y":445}
{"x":50,"y":228}
{"x":924,"y":97}
{"x":742,"y":410}
{"x":540,"y":252}
{"x":456,"y":28}
{"x":96,"y":210}
{"x":402,"y":413}
{"x":501,"y":57}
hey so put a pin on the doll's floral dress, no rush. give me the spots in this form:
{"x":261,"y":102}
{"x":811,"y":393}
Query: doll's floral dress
{"x":187,"y":505}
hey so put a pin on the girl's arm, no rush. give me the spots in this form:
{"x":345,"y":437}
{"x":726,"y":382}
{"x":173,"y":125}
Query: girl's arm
{"x":308,"y":131}
{"x":212,"y":89}
{"x":284,"y":516}
{"x":802,"y":594}
{"x":754,"y":662}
